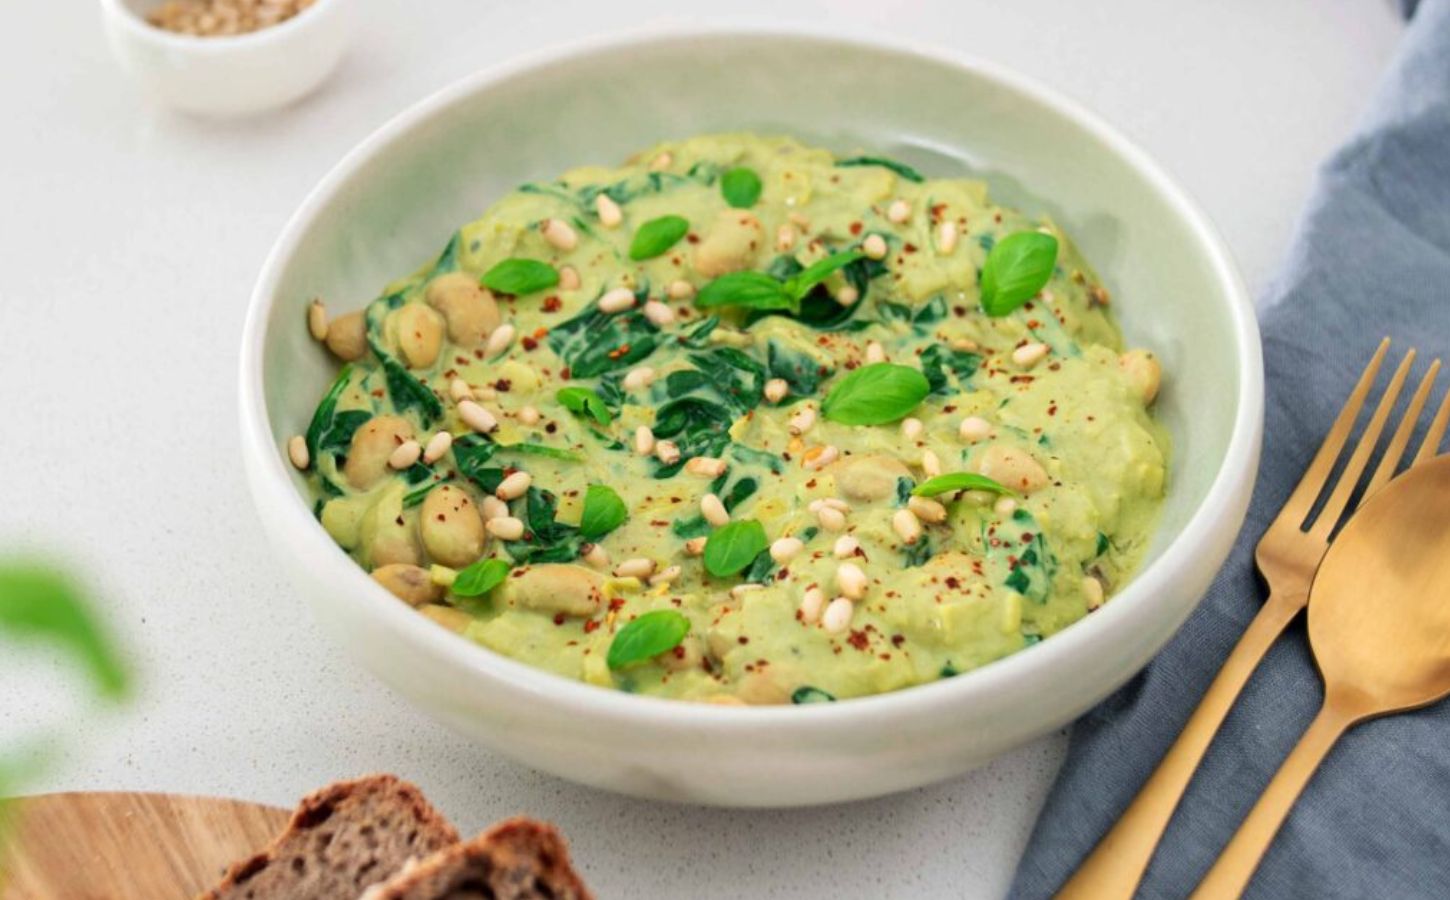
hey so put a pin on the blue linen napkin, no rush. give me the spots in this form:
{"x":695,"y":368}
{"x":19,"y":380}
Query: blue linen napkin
{"x":1372,"y":258}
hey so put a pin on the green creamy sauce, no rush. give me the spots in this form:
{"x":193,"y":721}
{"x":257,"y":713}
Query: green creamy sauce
{"x":993,"y":578}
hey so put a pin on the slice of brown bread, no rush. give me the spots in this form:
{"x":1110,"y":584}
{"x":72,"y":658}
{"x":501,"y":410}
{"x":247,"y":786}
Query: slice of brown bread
{"x":517,"y":859}
{"x":342,"y":839}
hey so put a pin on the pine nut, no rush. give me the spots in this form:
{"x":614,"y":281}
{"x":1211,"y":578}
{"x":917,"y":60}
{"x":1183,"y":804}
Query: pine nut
{"x":776,"y":389}
{"x":714,"y":511}
{"x":695,"y":546}
{"x":476,"y":417}
{"x":874,"y":246}
{"x":569,"y":279}
{"x":638,"y":379}
{"x":802,"y":421}
{"x":639,"y":567}
{"x":560,"y":234}
{"x":505,"y":528}
{"x":1005,"y":506}
{"x":708,"y":466}
{"x":974,"y":429}
{"x":817,"y":458}
{"x":1093,"y":590}
{"x":837,"y":617}
{"x":616,"y":300}
{"x":485,"y":394}
{"x":946,"y":238}
{"x":812,"y":602}
{"x":610,"y":215}
{"x":785,"y":238}
{"x":847,"y":295}
{"x":832,"y":502}
{"x":831,"y":519}
{"x":875,"y":353}
{"x":317,"y":320}
{"x":662,"y":162}
{"x":907,"y":526}
{"x":930,"y":464}
{"x":405,"y":455}
{"x":493,"y":508}
{"x":899,"y":211}
{"x":297,"y":451}
{"x":529,"y":415}
{"x":499,"y":341}
{"x":665,"y":576}
{"x":965,"y":344}
{"x":740,"y":590}
{"x":658,"y":314}
{"x":596,"y":556}
{"x":459,"y":390}
{"x":514,"y":486}
{"x":911,"y":428}
{"x":1029,"y":355}
{"x":667,"y":452}
{"x":644,"y":440}
{"x":927,"y":510}
{"x":784,"y":549}
{"x":800,"y":220}
{"x":846,"y":547}
{"x":681,"y":290}
{"x":851,"y":580}
{"x":438,"y":446}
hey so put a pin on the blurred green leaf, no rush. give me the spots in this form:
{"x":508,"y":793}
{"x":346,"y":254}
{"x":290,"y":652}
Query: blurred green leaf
{"x":39,"y":603}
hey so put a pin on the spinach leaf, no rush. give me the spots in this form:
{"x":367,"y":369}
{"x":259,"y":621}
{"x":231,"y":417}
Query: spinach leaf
{"x":937,"y":360}
{"x":408,"y":392}
{"x":472,"y":453}
{"x":480,"y":578}
{"x":546,"y":540}
{"x":899,"y":168}
{"x":448,"y":260}
{"x":653,"y":633}
{"x":736,"y":377}
{"x":875,"y":394}
{"x":418,"y":494}
{"x":583,"y":402}
{"x":697,"y":337}
{"x":808,"y":694}
{"x":741,"y":187}
{"x":700,"y":428}
{"x":730,"y":548}
{"x":796,"y":368}
{"x":1018,"y":267}
{"x":918,"y":553}
{"x":593,"y":343}
{"x":752,"y":456}
{"x":682,"y":382}
{"x":656,"y":236}
{"x":1031,"y":573}
{"x":603,"y":512}
{"x":920,"y":316}
{"x":519,"y":276}
{"x":324,"y":431}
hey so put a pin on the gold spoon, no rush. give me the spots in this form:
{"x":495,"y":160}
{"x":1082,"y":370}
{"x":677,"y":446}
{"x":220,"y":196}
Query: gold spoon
{"x":1379,"y":623}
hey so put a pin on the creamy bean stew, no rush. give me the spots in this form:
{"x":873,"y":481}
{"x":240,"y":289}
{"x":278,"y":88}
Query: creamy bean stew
{"x":743,"y":421}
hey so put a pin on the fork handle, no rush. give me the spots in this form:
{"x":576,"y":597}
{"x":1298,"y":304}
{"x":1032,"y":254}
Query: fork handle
{"x":1236,"y":865}
{"x":1114,"y":868}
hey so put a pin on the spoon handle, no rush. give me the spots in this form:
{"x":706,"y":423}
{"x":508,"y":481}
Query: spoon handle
{"x":1230,"y":875}
{"x":1117,"y":864}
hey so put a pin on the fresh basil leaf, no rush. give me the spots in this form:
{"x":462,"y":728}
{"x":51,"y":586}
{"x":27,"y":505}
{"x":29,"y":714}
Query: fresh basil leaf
{"x":740,"y":187}
{"x":480,"y":578}
{"x":899,"y":168}
{"x":37,"y":602}
{"x":730,"y":548}
{"x":808,"y":694}
{"x":1018,"y":267}
{"x":584,"y":402}
{"x":603,"y":512}
{"x":653,"y":633}
{"x":958,"y":481}
{"x":520,"y":276}
{"x":801,"y":284}
{"x":656,"y":236}
{"x":752,"y":290}
{"x":875,"y":395}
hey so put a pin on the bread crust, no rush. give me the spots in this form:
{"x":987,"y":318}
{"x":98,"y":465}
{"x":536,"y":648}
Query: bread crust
{"x":511,"y":856}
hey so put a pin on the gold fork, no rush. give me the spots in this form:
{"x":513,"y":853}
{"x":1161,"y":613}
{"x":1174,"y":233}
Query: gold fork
{"x":1287,"y":557}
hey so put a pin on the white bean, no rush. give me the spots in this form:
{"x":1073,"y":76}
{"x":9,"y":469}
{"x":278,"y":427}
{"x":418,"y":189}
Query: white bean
{"x":420,"y":335}
{"x":411,"y":584}
{"x":372,"y":445}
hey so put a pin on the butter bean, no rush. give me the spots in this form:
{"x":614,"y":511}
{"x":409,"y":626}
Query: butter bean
{"x":470,"y":311}
{"x":730,"y":244}
{"x":1143,"y":373}
{"x":347,"y":337}
{"x":869,"y":478}
{"x":410,"y":584}
{"x":420,"y":335}
{"x":452,"y":529}
{"x":1013,"y":468}
{"x":555,"y":588}
{"x":371,"y":448}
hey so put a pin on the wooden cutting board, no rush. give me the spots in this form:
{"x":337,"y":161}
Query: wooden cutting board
{"x":127,"y":846}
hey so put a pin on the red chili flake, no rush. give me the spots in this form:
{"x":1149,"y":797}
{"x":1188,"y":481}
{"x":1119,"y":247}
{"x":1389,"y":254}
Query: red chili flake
{"x":811,"y":483}
{"x":659,"y":523}
{"x":616,"y":604}
{"x":619,"y":351}
{"x":503,"y":384}
{"x":1022,"y":379}
{"x":451,"y":373}
{"x":743,"y":639}
{"x":937,"y":209}
{"x":1027,"y":537}
{"x":378,"y":392}
{"x":949,"y":408}
{"x":953,"y":582}
{"x":558,"y":618}
{"x":897,"y":640}
{"x":856,"y":227}
{"x":886,"y":656}
{"x":478,"y":354}
{"x":852,"y":363}
{"x":679,"y":651}
{"x":590,"y":626}
{"x":529,"y":343}
{"x":908,"y":248}
{"x":564,"y":373}
{"x":782,"y":575}
{"x":859,"y":640}
{"x":1052,"y":410}
{"x":1033,"y":323}
{"x":959,"y":311}
{"x":692,"y":238}
{"x":551,"y":427}
{"x":552,"y":304}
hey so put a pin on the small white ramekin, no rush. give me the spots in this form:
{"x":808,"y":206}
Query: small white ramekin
{"x":232,"y":75}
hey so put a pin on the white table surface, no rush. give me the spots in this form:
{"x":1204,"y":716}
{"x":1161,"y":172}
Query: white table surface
{"x":131,"y":236}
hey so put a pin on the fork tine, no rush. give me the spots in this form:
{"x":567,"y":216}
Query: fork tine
{"x":1349,"y":478}
{"x":1396,"y":449}
{"x":1431,"y":445}
{"x":1297,"y":507}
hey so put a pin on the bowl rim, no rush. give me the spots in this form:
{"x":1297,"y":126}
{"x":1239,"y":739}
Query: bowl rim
{"x":270,"y":477}
{"x":141,"y":30}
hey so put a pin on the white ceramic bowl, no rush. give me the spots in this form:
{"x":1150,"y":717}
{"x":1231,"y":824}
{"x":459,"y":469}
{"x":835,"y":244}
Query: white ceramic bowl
{"x":392,"y":202}
{"x":235,"y":75}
